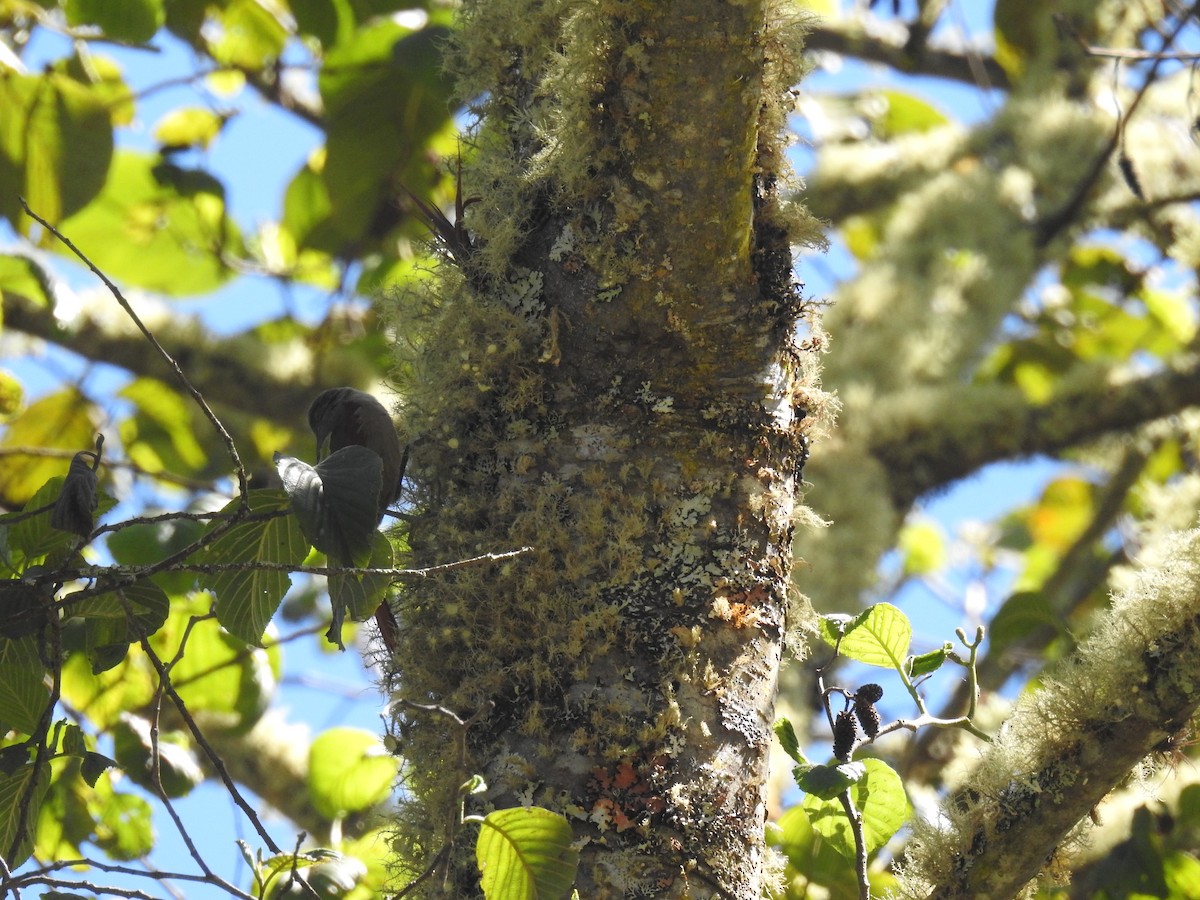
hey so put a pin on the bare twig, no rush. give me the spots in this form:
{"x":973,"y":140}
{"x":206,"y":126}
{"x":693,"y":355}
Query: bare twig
{"x":212,"y":756}
{"x":1050,"y":227}
{"x":230,"y":447}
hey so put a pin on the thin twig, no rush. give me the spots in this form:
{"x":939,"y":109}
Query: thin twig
{"x":1050,"y":227}
{"x":213,"y":757}
{"x":231,"y":448}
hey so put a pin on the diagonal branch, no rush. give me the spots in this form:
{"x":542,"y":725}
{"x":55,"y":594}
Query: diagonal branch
{"x":917,"y":59}
{"x":230,"y":446}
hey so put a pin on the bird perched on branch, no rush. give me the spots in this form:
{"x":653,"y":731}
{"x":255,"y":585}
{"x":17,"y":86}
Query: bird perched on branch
{"x":345,"y":417}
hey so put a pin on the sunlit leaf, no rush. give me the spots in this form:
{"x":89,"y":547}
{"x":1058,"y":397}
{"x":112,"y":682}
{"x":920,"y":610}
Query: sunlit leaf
{"x":880,"y":799}
{"x":526,"y":853}
{"x":189,"y":127}
{"x":247,"y":34}
{"x":22,"y":277}
{"x":349,"y":771}
{"x":922,"y":547}
{"x":905,"y":114}
{"x":878,"y":636}
{"x":179,"y":768}
{"x":135,"y":21}
{"x":246,"y":600}
{"x":56,"y":142}
{"x":60,"y":421}
{"x":218,"y":676}
{"x":157,"y":226}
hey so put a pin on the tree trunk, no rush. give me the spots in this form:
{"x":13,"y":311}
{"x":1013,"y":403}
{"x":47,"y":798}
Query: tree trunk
{"x":608,"y":375}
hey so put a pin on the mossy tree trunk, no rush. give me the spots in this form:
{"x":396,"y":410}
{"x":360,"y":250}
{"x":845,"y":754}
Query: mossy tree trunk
{"x":609,"y":375}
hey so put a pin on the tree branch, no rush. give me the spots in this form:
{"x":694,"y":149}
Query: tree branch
{"x":918,"y":59}
{"x":1070,"y":743}
{"x":929,"y":448}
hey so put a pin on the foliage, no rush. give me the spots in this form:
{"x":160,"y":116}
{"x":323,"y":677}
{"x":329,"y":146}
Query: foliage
{"x":1016,"y":281}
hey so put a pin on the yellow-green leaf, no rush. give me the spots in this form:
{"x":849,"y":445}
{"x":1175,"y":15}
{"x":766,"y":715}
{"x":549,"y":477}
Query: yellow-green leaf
{"x":349,"y":771}
{"x":526,"y":853}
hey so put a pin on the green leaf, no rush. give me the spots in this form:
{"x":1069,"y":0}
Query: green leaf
{"x":903,"y":114}
{"x":827,"y":781}
{"x":157,"y":226}
{"x":349,"y":771}
{"x":25,"y":693}
{"x":359,"y":595}
{"x":143,"y":544}
{"x":189,"y":126}
{"x":250,"y":35}
{"x":56,"y":143}
{"x":14,"y":791}
{"x":61,"y":421}
{"x":1024,"y":613}
{"x":386,"y":95}
{"x":246,"y":600}
{"x":179,"y":769}
{"x":923,"y":547}
{"x":93,"y":766}
{"x":917,"y":666}
{"x":135,"y":21}
{"x":124,"y":829}
{"x":337,"y":501}
{"x":525,"y":853}
{"x":878,"y":636}
{"x":114,"y":620}
{"x":22,"y":277}
{"x":880,"y":799}
{"x":218,"y":674}
{"x":787,"y":738}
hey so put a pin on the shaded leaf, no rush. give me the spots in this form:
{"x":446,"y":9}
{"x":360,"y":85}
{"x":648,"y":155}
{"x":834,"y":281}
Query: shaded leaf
{"x":359,"y":595}
{"x":135,"y":21}
{"x":827,"y":781}
{"x":14,"y":794}
{"x":336,"y":501}
{"x":93,"y":766}
{"x":25,"y":693}
{"x":75,"y":509}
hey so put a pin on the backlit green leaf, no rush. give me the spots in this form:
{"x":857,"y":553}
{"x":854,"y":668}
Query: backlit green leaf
{"x":157,"y":226}
{"x":878,"y":636}
{"x":880,"y":799}
{"x":349,"y":771}
{"x":246,"y":600}
{"x":525,"y":853}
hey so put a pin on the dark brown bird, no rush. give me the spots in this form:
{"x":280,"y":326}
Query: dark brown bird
{"x":342,"y":417}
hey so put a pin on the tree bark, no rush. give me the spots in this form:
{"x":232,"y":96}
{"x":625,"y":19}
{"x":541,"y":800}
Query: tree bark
{"x":609,"y":376}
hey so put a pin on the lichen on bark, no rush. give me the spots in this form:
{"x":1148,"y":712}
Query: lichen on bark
{"x":610,"y":375}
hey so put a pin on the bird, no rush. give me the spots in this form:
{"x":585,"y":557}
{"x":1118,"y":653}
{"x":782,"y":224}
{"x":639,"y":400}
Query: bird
{"x":343,"y":417}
